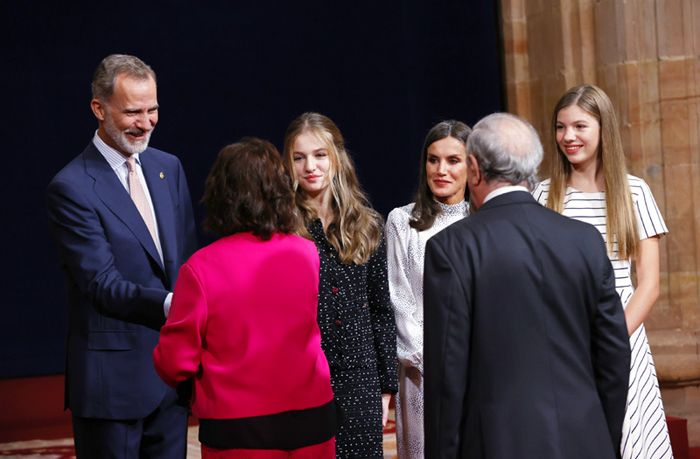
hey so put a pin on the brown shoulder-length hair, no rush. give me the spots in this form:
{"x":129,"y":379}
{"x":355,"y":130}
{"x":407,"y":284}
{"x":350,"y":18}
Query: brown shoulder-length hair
{"x":248,"y":190}
{"x":356,"y":229}
{"x":426,"y":209}
{"x":620,"y":218}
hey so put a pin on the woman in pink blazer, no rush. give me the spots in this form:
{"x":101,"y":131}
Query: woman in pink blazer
{"x":243,"y":319}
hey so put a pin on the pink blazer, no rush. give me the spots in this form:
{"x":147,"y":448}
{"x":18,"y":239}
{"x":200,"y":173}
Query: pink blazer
{"x":243,"y":324}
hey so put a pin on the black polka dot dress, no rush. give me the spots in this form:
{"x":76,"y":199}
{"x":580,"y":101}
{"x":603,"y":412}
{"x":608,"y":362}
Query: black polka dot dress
{"x":358,"y":335}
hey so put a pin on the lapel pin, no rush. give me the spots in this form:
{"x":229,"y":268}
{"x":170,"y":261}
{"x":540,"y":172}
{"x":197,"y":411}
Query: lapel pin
{"x":162,"y":175}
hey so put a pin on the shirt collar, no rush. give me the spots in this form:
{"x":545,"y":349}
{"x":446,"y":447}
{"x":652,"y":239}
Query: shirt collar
{"x":503,"y":190}
{"x":113,"y":157}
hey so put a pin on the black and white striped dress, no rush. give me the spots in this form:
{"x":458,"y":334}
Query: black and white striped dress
{"x":644,"y":432}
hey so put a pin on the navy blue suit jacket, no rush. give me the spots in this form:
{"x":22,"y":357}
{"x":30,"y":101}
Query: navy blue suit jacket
{"x":526,"y":347}
{"x":116,"y":282}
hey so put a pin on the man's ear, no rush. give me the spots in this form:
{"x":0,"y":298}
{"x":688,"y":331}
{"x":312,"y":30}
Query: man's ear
{"x":473,"y":171}
{"x":98,"y":108}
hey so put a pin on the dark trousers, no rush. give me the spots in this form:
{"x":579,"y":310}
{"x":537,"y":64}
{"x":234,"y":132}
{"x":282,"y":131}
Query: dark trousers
{"x":160,"y":435}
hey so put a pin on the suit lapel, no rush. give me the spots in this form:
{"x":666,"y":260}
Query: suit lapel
{"x":113,"y":194}
{"x":159,"y":189}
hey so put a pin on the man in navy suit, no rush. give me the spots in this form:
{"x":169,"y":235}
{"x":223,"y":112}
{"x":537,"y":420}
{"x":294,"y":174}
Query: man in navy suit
{"x":121,"y":215}
{"x":526,"y":347}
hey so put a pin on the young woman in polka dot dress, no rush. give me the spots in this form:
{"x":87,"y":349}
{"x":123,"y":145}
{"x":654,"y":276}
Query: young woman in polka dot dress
{"x":358,"y":333}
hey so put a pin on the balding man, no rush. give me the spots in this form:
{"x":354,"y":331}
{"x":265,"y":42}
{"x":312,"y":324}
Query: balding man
{"x":526,"y":348}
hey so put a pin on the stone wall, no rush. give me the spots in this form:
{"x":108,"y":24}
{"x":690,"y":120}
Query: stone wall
{"x":646,"y":55}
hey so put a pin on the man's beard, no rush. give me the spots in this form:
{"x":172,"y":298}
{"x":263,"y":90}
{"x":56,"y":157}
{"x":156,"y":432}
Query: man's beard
{"x":121,"y":139}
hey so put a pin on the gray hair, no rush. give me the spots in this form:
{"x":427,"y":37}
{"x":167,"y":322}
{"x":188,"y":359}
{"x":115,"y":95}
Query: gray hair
{"x":117,"y":64}
{"x":507,"y":148}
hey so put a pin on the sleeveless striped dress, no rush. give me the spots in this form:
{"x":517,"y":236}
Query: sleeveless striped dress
{"x":644,"y":431}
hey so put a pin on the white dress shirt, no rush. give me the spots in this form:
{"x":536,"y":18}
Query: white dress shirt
{"x":117,"y":162}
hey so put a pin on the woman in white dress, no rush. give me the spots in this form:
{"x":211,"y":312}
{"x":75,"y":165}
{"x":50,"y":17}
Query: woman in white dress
{"x":440,"y":201}
{"x":589,"y":182}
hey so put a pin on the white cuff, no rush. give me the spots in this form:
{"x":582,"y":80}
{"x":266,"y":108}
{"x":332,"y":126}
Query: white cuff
{"x":166,"y":304}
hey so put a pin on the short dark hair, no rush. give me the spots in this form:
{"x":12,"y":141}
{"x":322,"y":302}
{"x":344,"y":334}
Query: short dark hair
{"x":248,"y":190}
{"x":114,"y":65}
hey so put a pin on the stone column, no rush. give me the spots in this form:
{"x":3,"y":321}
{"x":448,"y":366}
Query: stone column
{"x":646,"y":55}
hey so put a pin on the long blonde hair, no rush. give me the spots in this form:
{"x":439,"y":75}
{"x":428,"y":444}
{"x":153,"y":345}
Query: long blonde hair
{"x":356,"y":228}
{"x":621,"y":221}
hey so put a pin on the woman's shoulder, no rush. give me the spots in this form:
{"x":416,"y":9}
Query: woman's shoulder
{"x":637,"y":183}
{"x":400,"y":217}
{"x":541,"y":191}
{"x":639,"y":188}
{"x":401,"y":213}
{"x":212,"y":252}
{"x":543,"y":184}
{"x":291,"y":239}
{"x":247,"y":243}
{"x":633,"y":180}
{"x":650,"y":221}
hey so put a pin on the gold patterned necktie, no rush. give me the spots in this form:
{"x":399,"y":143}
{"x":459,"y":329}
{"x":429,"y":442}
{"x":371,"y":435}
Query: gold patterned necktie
{"x":139,"y":198}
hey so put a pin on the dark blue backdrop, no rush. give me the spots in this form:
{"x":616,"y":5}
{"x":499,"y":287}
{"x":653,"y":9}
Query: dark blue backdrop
{"x":384,"y":71}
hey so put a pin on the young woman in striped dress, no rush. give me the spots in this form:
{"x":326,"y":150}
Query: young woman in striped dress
{"x":589,"y":182}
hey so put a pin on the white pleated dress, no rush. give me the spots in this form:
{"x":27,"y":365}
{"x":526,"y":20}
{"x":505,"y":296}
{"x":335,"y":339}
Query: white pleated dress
{"x":405,"y":258}
{"x":644,"y":431}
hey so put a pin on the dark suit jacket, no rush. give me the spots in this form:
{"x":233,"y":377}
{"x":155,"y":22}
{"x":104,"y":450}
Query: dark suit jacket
{"x":116,"y":282}
{"x":526,"y":347}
